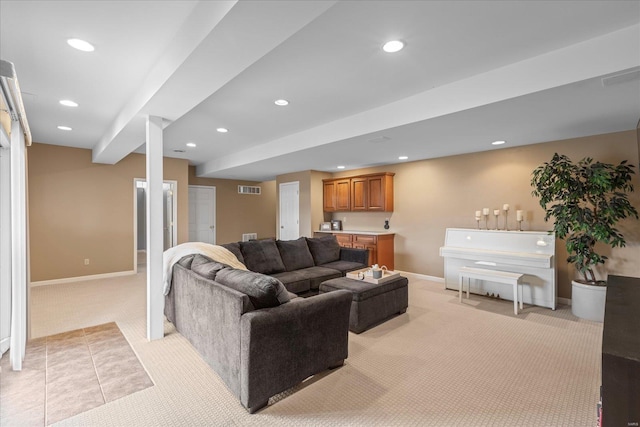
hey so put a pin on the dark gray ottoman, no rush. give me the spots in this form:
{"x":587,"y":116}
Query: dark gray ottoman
{"x":371,"y":303}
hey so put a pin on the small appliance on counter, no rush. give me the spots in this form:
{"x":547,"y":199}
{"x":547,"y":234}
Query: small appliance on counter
{"x":336,"y":225}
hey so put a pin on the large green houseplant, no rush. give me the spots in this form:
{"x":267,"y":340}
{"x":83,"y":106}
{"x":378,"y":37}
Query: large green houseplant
{"x":586,"y":200}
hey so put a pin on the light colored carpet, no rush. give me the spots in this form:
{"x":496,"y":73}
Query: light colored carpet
{"x":440,"y":364}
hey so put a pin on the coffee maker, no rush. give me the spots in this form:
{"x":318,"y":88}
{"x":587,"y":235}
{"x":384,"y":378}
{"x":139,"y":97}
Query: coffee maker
{"x":336,"y":225}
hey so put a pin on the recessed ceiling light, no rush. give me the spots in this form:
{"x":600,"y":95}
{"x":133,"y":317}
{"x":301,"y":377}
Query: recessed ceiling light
{"x":403,"y":158}
{"x":81,"y":45}
{"x":281,"y":102}
{"x":64,"y":128}
{"x":340,"y":167}
{"x":222,"y":130}
{"x":393,"y":46}
{"x":191,"y":144}
{"x":68,"y":103}
{"x":498,"y":142}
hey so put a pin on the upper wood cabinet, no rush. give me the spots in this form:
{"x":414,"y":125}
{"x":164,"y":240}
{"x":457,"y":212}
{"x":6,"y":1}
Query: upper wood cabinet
{"x":337,"y":195}
{"x":372,"y":192}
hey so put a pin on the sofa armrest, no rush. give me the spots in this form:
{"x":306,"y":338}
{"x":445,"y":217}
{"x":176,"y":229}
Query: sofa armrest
{"x":355,"y":255}
{"x":281,"y":346}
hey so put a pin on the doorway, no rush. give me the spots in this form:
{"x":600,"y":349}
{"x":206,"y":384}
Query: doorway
{"x":202,"y":214}
{"x":169,"y":215}
{"x":289,"y":210}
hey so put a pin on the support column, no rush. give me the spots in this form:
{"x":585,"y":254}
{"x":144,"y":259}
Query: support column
{"x":155,"y":296}
{"x":18,"y":249}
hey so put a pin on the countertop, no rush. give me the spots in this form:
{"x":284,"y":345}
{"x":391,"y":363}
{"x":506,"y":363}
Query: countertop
{"x":368,"y":233}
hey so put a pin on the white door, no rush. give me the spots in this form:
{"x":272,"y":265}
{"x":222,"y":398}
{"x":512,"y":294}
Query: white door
{"x":202,"y":214}
{"x":289,"y":210}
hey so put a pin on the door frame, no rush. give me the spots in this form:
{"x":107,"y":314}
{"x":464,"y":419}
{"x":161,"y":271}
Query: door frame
{"x":215,"y":206}
{"x":174,"y":196}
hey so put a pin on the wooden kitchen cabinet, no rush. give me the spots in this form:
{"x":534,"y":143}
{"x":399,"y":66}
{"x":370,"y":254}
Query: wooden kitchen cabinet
{"x":344,"y":240}
{"x":372,"y":192}
{"x":336,"y":195}
{"x":381,"y":247}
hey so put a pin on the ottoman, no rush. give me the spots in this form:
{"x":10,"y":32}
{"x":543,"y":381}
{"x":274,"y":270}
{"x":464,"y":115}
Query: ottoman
{"x":372,"y":303}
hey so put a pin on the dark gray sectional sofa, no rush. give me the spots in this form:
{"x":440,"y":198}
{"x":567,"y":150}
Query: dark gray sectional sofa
{"x":259,"y":337}
{"x":302,"y":264}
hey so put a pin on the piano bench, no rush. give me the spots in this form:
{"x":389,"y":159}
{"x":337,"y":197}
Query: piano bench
{"x":498,"y":276}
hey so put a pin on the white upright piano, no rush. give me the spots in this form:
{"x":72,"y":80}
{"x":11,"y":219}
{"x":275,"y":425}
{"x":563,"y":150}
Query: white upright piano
{"x":531,"y":253}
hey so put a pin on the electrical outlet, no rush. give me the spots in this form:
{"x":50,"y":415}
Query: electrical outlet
{"x":86,"y":261}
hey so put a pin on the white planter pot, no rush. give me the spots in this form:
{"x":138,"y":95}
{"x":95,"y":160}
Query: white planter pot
{"x":587,"y":301}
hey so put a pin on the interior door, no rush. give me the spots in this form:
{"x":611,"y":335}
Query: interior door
{"x":289,"y":210}
{"x":202,"y":214}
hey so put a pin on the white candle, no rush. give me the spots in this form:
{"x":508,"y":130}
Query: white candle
{"x":478,"y":213}
{"x":485,"y":211}
{"x":519,"y":215}
{"x":496,"y":212}
{"x":505,"y":207}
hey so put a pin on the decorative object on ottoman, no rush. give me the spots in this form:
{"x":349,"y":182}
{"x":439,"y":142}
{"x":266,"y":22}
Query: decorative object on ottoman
{"x":372,"y":302}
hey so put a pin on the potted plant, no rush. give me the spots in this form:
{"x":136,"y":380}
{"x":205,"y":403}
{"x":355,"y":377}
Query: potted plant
{"x":586,"y":200}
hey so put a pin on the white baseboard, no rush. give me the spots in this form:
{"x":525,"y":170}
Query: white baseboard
{"x":565,"y":301}
{"x":82,"y":278}
{"x":4,"y":345}
{"x":422,"y":276}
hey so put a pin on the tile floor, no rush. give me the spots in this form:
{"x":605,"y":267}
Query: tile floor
{"x":69,"y":373}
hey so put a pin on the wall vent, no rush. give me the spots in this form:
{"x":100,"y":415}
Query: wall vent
{"x":249,"y":236}
{"x":249,"y":189}
{"x":621,"y":78}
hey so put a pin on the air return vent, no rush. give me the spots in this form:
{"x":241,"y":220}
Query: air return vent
{"x":621,"y":78}
{"x":249,"y":236}
{"x":249,"y":189}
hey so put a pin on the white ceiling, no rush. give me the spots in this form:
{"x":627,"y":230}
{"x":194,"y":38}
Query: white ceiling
{"x":472,"y":72}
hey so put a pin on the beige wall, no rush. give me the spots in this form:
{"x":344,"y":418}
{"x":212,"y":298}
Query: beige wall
{"x":79,"y":209}
{"x":310,"y":203}
{"x":241,"y":213}
{"x":432,"y":195}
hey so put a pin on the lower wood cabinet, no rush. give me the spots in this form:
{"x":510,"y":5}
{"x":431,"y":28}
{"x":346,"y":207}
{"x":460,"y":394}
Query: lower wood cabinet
{"x":380,"y":246}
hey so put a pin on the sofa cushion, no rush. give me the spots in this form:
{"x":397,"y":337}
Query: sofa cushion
{"x":324,"y":249}
{"x":344,"y":266}
{"x":263,"y":291}
{"x":234,"y":248}
{"x":205,"y":267}
{"x":262,"y":256}
{"x":295,"y":254}
{"x":303,"y":280}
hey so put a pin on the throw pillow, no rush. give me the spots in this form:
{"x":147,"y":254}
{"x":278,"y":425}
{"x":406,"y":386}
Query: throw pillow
{"x":234,"y":248}
{"x":186,"y":261}
{"x":324,"y":249}
{"x":295,"y":254}
{"x":263,"y":291}
{"x":208,"y":269}
{"x":262,"y":256}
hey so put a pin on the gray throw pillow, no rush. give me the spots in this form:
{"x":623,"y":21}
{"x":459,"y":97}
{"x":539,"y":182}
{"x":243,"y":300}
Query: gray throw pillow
{"x":295,"y":254}
{"x":208,"y":270}
{"x":263,"y":291}
{"x":234,"y":248}
{"x":186,"y":261}
{"x":262,"y":256}
{"x":324,"y":249}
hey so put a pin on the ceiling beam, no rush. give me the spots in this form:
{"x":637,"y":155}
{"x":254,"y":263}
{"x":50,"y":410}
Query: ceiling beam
{"x":610,"y":53}
{"x":206,"y":55}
